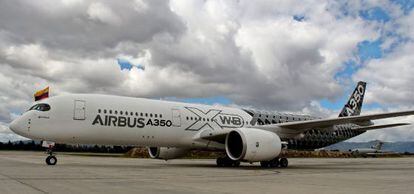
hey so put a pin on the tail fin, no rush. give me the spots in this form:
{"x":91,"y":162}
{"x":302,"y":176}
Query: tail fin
{"x":354,"y":104}
{"x":378,"y":146}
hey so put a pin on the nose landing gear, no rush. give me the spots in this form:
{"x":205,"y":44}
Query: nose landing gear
{"x":51,"y":158}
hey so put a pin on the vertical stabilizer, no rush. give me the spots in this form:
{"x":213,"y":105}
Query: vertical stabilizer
{"x":354,"y":104}
{"x":378,"y":146}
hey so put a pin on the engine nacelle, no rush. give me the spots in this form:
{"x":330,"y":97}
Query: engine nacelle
{"x":252,"y":145}
{"x":167,"y":153}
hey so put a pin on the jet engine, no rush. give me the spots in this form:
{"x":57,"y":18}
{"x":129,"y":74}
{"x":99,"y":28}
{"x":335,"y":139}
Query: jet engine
{"x":252,"y":145}
{"x":167,"y":153}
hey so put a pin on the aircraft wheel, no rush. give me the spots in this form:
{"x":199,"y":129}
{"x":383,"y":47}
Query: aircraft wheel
{"x":264,"y":164}
{"x":274,"y":163}
{"x":220,"y":162}
{"x":284,"y":162}
{"x":227,"y":162}
{"x":51,"y":160}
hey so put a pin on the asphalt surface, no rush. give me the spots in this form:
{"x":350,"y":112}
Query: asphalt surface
{"x":26,"y":172}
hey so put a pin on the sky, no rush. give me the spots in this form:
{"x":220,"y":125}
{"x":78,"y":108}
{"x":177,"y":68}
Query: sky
{"x":295,"y":56}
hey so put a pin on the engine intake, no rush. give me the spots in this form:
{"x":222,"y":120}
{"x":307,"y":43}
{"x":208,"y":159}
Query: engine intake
{"x":252,"y":145}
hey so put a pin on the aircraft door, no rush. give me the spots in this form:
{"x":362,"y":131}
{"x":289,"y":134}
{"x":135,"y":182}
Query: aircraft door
{"x":176,"y":118}
{"x":79,"y":110}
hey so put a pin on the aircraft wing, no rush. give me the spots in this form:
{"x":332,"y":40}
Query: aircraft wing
{"x":300,"y":126}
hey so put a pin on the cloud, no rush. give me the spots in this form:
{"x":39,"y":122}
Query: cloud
{"x":4,"y":115}
{"x":205,"y":49}
{"x":254,"y":54}
{"x":85,"y":28}
{"x":102,"y":13}
{"x":7,"y":135}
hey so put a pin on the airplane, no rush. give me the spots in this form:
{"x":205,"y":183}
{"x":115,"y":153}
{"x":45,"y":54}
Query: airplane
{"x":375,"y":149}
{"x":172,"y":129}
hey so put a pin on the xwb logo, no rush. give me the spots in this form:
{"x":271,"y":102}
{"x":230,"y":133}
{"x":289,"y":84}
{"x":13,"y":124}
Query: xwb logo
{"x":229,"y":120}
{"x":213,"y":119}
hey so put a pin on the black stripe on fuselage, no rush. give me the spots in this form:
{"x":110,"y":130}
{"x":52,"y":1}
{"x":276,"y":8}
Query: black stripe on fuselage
{"x":311,"y":139}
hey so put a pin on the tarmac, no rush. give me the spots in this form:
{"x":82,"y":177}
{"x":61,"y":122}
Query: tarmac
{"x":26,"y":172}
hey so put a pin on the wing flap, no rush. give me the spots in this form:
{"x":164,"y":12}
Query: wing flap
{"x":380,"y":126}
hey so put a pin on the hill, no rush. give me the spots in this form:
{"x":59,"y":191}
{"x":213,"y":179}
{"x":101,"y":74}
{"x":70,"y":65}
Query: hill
{"x":399,"y":147}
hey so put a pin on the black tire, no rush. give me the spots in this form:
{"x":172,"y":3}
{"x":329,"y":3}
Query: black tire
{"x":264,"y":164}
{"x":220,"y":162}
{"x":51,"y":160}
{"x":228,"y":162}
{"x":284,"y":162}
{"x":236,"y":163}
{"x":274,"y":163}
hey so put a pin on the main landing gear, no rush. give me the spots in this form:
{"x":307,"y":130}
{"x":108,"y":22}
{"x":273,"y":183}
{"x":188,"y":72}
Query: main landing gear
{"x":282,"y":163}
{"x":227,"y":162}
{"x":51,"y":158}
{"x":275,"y":163}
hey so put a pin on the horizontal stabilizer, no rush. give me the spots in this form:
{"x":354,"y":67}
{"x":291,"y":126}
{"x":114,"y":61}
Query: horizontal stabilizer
{"x":380,"y":126}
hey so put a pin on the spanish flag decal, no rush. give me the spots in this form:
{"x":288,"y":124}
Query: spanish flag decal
{"x":41,"y":94}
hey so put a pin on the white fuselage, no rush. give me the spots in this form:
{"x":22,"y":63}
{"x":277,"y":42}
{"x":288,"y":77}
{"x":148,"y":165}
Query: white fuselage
{"x":366,"y":150}
{"x":115,"y":120}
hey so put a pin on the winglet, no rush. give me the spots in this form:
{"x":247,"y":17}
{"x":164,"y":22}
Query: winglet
{"x":354,"y":104}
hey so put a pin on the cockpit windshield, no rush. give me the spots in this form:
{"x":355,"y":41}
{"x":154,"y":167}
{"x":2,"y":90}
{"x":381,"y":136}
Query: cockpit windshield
{"x":40,"y":107}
